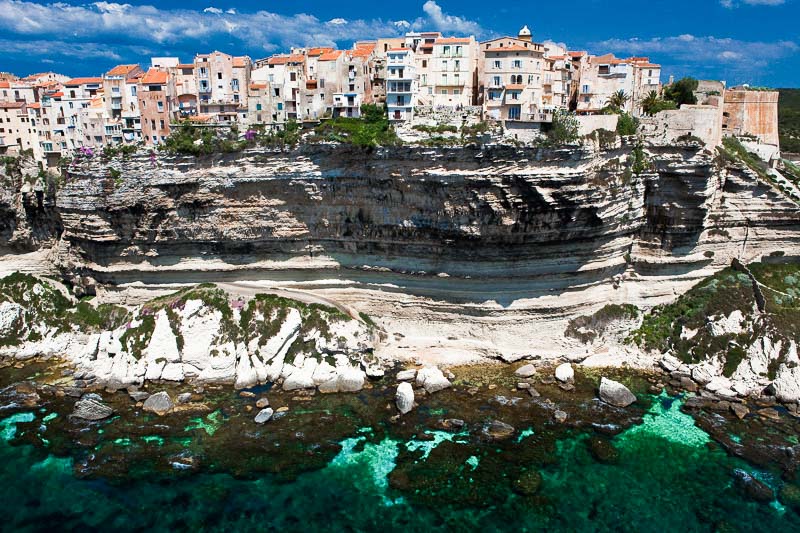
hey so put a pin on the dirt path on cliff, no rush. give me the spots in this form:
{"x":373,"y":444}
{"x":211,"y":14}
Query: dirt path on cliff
{"x":250,"y":289}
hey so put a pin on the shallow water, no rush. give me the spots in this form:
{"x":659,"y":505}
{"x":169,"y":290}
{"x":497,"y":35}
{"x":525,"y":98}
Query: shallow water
{"x":133,"y":472}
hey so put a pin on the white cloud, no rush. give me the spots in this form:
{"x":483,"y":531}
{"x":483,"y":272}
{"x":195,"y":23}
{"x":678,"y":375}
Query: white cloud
{"x":701,"y":53}
{"x":730,"y":4}
{"x":214,"y":10}
{"x":338,"y":21}
{"x":448,"y":23}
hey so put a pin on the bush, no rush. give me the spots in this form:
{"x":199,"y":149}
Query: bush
{"x":371,"y":129}
{"x":193,"y":140}
{"x":682,"y":91}
{"x":564,"y":128}
{"x":627,"y":124}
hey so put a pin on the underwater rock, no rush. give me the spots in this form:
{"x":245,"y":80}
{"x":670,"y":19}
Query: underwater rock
{"x":615,"y":393}
{"x":560,"y":416}
{"x":739,"y":410}
{"x":138,"y":395}
{"x":262,"y":403}
{"x":528,"y":483}
{"x":432,"y":380}
{"x":751,"y":487}
{"x":603,"y":450}
{"x":565,"y":373}
{"x":159,"y":403}
{"x":186,"y":397}
{"x":264,"y":415}
{"x":496,"y":430}
{"x":404,"y":398}
{"x":90,"y":407}
{"x":789,"y":495}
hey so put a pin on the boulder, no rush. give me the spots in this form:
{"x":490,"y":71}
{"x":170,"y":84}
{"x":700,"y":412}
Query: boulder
{"x":264,"y":415}
{"x":90,"y":407}
{"x":560,"y":416}
{"x":186,"y":397}
{"x":526,"y":371}
{"x":528,"y":483}
{"x":159,"y":403}
{"x":262,"y":403}
{"x":615,"y":393}
{"x":670,"y":363}
{"x":346,"y":380}
{"x":404,"y":397}
{"x":565,"y":373}
{"x":432,"y":380}
{"x":406,"y":375}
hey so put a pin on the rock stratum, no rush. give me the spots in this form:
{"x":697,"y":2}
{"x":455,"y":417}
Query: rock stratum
{"x":457,"y":254}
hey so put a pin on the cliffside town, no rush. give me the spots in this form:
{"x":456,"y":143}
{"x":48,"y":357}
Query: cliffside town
{"x":423,"y":79}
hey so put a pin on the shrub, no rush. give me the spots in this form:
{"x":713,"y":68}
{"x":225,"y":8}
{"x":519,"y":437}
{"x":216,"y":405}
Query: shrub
{"x":627,"y":124}
{"x":564,"y":128}
{"x":371,"y":129}
{"x":682,"y":91}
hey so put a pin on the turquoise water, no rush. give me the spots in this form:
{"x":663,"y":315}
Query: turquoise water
{"x":667,"y":476}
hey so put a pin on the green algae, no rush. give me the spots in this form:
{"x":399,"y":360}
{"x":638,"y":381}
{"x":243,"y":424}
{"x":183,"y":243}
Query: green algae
{"x":378,"y":460}
{"x":8,"y":426}
{"x":427,"y":446}
{"x":51,"y":416}
{"x":473,"y":461}
{"x":666,"y":420}
{"x":525,"y":433}
{"x":210,"y":424}
{"x":153,"y":439}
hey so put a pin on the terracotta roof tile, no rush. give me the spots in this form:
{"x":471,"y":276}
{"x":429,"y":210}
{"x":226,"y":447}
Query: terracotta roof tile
{"x":122,"y":70}
{"x":4,"y":84}
{"x":284,"y":59}
{"x":155,"y":77}
{"x":185,"y":66}
{"x":12,"y":105}
{"x":258,"y":86}
{"x":83,"y":81}
{"x":512,"y":48}
{"x":330,"y":56}
{"x":240,"y":61}
{"x":319,"y":50}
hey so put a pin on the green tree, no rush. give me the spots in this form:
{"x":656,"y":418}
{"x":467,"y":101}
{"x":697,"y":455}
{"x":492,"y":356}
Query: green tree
{"x":564,"y":129}
{"x":627,"y":124}
{"x":682,"y":91}
{"x":617,"y":100}
{"x":652,"y":104}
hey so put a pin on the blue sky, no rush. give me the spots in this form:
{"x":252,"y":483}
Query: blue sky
{"x":740,"y":41}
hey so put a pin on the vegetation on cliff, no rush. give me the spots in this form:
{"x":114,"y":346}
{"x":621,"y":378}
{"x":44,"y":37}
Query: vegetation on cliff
{"x":685,"y":327}
{"x":789,"y":120}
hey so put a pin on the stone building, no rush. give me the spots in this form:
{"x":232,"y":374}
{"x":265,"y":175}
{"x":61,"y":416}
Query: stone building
{"x":751,"y":112}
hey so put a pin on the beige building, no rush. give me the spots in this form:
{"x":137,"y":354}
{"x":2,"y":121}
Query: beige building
{"x":453,"y":71}
{"x":122,"y":117}
{"x":18,"y":130}
{"x":512,"y":73}
{"x":602,"y":76}
{"x":222,"y":84}
{"x":754,"y":113}
{"x":157,"y":103}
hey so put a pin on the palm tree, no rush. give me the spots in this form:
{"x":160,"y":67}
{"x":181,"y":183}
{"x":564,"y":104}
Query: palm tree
{"x":649,"y":103}
{"x":617,"y":100}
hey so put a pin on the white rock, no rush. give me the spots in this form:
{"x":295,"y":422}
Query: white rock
{"x":172,"y":372}
{"x":324,"y":372}
{"x":163,"y":343}
{"x":264,"y":415}
{"x":565,"y":373}
{"x":718,"y":383}
{"x":10,"y":318}
{"x":159,"y":403}
{"x":670,"y":363}
{"x":615,"y":393}
{"x":732,"y":324}
{"x":432,"y":380}
{"x":404,"y":397}
{"x":351,"y":380}
{"x":526,"y":371}
{"x":701,"y":375}
{"x":406,"y":375}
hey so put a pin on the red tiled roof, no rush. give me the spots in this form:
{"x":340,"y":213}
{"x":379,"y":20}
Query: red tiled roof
{"x":577,"y":54}
{"x":200,"y":118}
{"x":12,"y":105}
{"x":330,"y":56}
{"x":4,"y":84}
{"x":59,"y":94}
{"x":319,"y":50}
{"x":155,"y":77}
{"x":83,"y":81}
{"x":452,"y":40}
{"x":282,"y":60}
{"x":399,"y":49}
{"x":185,"y":65}
{"x":35,"y":105}
{"x":240,"y":61}
{"x":122,"y":70}
{"x":258,"y":86}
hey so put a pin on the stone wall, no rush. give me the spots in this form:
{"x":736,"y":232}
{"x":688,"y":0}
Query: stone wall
{"x":590,"y":123}
{"x":432,"y":116}
{"x":752,"y":113}
{"x":701,"y":121}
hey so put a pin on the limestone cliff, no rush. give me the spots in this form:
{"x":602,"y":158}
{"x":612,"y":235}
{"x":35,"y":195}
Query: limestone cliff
{"x":487,"y":248}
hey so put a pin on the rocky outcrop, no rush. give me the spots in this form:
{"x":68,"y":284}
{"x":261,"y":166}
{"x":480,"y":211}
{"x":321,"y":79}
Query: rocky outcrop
{"x":615,"y":393}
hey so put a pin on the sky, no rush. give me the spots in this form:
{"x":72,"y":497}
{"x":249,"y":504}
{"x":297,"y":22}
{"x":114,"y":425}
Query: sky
{"x":739,"y":41}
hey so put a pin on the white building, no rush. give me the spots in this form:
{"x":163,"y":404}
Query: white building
{"x":402,"y":85}
{"x":453,"y":71}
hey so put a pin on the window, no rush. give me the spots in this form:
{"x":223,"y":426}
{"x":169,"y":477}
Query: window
{"x":585,"y":89}
{"x":456,"y":91}
{"x":280,"y":106}
{"x":424,"y":63}
{"x":277,"y":91}
{"x":293,"y":76}
{"x":161,"y":124}
{"x":152,"y":123}
{"x":444,"y":65}
{"x":457,"y":65}
{"x":496,"y":81}
{"x":458,"y":51}
{"x":530,"y":79}
{"x":498,"y":64}
{"x":517,"y":63}
{"x":258,"y":108}
{"x":446,"y":50}
{"x":235,"y":84}
{"x":133,"y":90}
{"x":443,"y":91}
{"x":515,"y":95}
{"x":586,"y":99}
{"x":219,"y":75}
{"x":203,"y":71}
{"x":160,"y":105}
